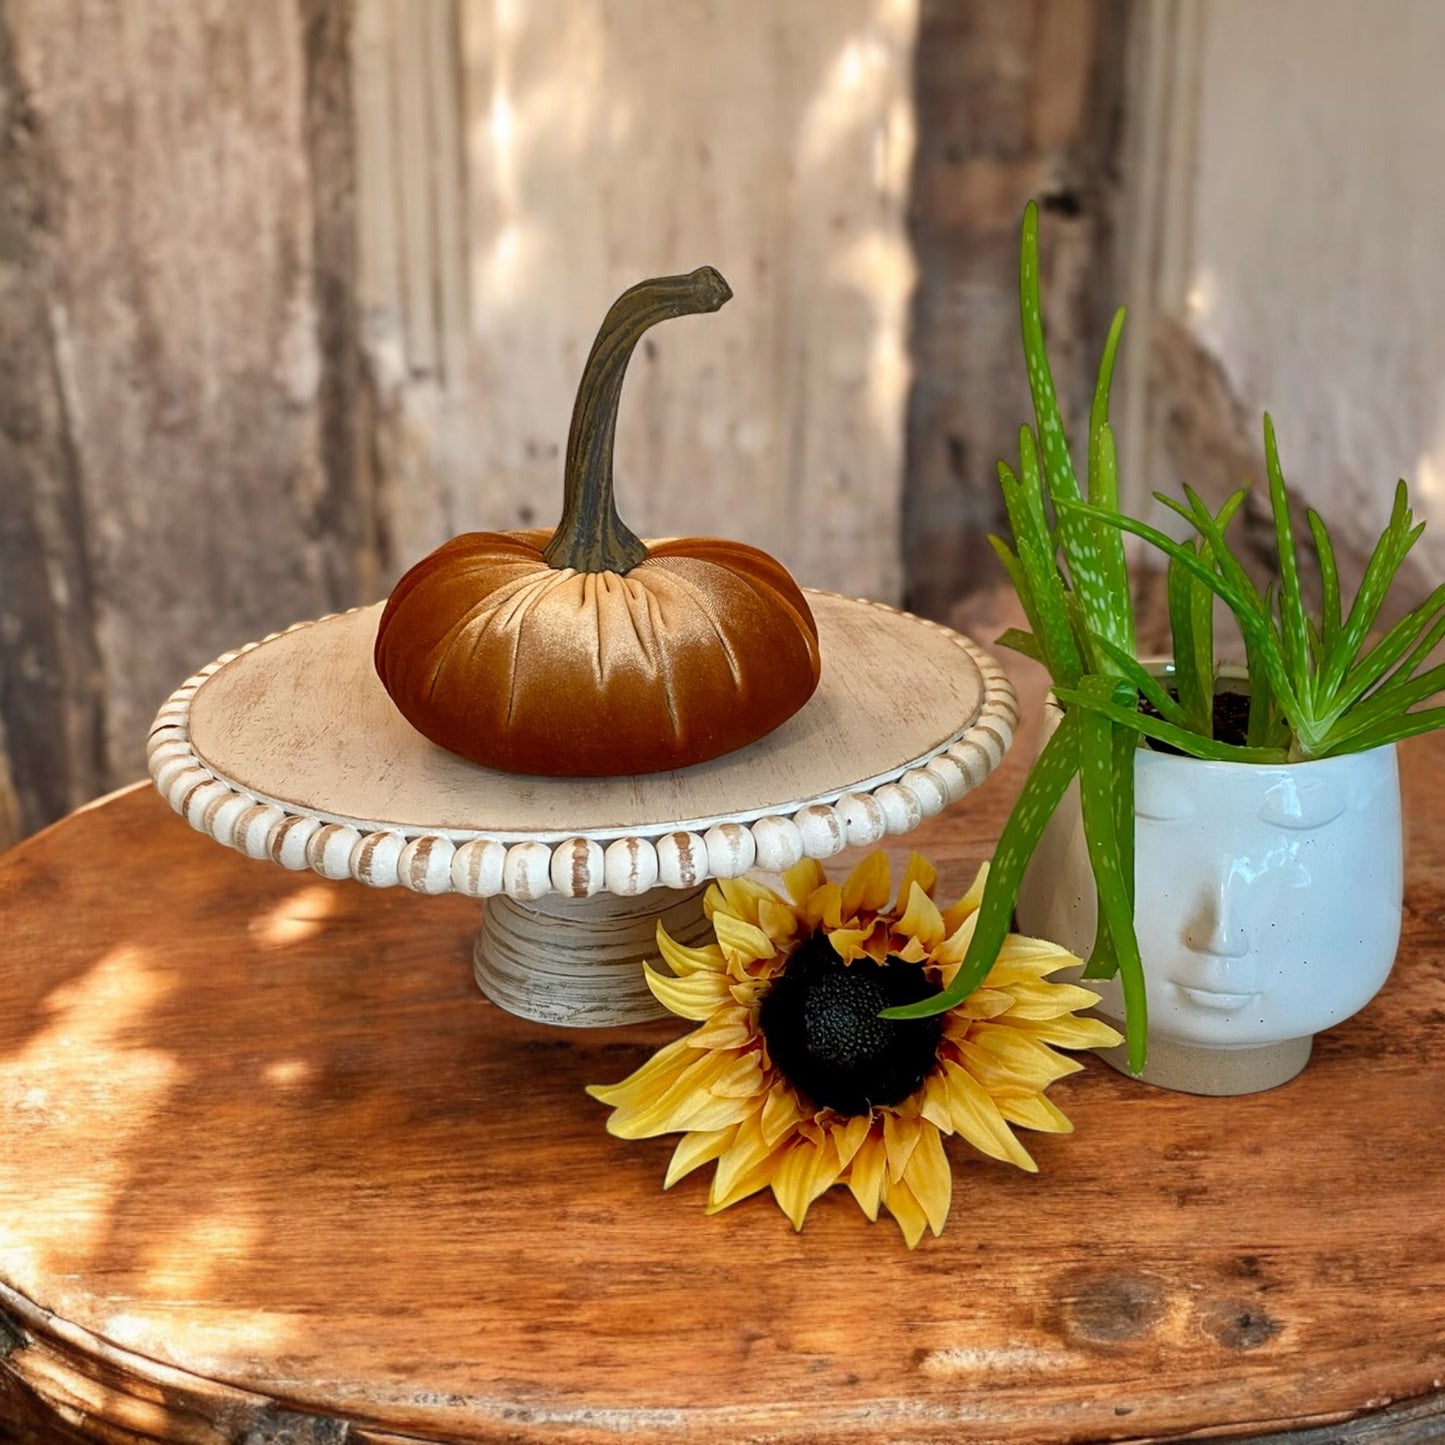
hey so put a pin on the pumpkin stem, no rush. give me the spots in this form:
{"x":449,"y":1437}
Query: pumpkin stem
{"x":591,"y":537}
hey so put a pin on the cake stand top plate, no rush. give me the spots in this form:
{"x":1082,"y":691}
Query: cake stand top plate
{"x":291,"y":749}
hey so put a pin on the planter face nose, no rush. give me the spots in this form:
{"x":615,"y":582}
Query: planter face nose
{"x":1268,"y":899}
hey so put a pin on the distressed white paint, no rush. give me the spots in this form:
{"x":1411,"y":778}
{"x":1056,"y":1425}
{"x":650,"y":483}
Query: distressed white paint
{"x":603,"y":143}
{"x":1318,"y":235}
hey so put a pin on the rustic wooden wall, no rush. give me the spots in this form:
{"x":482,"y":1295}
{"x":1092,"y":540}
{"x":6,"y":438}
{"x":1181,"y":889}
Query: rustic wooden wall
{"x":181,"y":459}
{"x":1013,"y":101}
{"x":293,"y":289}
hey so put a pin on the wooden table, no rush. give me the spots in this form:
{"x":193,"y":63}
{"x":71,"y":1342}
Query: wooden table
{"x":272,"y":1169}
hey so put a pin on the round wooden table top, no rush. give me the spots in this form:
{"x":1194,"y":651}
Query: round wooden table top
{"x":269,"y":1163}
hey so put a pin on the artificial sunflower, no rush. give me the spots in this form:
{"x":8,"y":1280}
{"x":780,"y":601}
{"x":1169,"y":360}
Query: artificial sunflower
{"x":794,"y":1083}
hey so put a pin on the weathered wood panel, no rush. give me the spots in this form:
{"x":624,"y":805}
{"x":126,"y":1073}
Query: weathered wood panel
{"x":606,"y":143}
{"x":183,"y":428}
{"x":1013,"y":101}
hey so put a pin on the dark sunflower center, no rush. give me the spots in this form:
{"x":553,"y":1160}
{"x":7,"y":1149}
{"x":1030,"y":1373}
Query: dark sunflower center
{"x":820,"y":1019}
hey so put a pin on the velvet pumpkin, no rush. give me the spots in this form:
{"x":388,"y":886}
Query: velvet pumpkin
{"x":586,"y":652}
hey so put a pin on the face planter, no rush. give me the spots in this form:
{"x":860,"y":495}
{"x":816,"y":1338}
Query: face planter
{"x":1267,"y":906}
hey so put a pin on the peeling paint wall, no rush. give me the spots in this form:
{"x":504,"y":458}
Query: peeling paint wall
{"x":1317,"y":242}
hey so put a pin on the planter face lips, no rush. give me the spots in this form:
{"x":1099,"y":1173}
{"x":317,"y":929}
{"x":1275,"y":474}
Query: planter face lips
{"x":1268,"y":899}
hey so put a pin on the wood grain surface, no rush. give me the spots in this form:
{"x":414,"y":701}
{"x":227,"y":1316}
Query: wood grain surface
{"x":265,"y":722}
{"x":269,"y":1163}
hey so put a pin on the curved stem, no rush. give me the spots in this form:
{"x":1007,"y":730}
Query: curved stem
{"x":591,"y":537}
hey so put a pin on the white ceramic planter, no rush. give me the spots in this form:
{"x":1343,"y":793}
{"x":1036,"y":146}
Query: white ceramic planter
{"x":1268,"y":904}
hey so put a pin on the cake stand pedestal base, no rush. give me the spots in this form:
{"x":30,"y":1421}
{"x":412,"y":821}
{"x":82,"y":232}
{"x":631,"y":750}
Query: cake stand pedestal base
{"x":578,"y":961}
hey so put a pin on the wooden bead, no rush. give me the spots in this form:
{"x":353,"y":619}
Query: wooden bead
{"x":577,"y":868}
{"x":425,"y":864}
{"x":731,"y":850}
{"x":375,"y":859}
{"x":329,"y":850}
{"x":822,"y":831}
{"x":780,"y":844}
{"x":630,"y":866}
{"x":479,"y":867}
{"x":681,"y":860}
{"x":527,"y":873}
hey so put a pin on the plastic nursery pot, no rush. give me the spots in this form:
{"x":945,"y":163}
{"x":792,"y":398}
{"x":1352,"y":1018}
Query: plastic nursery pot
{"x":1267,"y":906}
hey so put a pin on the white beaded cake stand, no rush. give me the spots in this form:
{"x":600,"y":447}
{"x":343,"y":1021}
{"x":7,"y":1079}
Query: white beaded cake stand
{"x":290,"y":750}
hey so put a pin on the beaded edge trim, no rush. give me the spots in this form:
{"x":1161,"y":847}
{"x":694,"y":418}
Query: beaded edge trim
{"x":485,"y":864}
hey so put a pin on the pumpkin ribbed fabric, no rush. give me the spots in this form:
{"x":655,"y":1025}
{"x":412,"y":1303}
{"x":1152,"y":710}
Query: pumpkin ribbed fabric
{"x":703,"y":647}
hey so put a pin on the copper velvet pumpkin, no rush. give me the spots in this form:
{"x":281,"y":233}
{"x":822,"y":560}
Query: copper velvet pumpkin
{"x":585,"y":651}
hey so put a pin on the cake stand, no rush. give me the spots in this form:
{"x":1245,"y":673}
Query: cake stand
{"x":290,"y":750}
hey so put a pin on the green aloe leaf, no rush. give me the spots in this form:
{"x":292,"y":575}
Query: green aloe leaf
{"x":1017,"y":640}
{"x":1294,"y":633}
{"x":1253,"y":623}
{"x":1046,"y":783}
{"x":1385,"y":706}
{"x":1191,"y":630}
{"x":1139,"y":677}
{"x":1098,"y":789}
{"x":1409,"y":726}
{"x":1049,"y":617}
{"x":1389,"y":552}
{"x":1329,"y":582}
{"x":1390,"y":649}
{"x":1187,"y":742}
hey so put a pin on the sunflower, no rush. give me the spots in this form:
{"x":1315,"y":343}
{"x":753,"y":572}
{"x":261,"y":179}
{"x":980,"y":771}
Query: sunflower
{"x":792,"y":1081}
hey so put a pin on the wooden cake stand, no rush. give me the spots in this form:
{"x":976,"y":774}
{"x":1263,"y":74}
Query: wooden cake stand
{"x":291,"y":750}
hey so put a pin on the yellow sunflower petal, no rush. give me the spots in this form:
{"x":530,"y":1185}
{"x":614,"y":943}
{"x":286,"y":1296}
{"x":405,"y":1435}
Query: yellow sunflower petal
{"x":849,"y":943}
{"x":647,"y":1081}
{"x":750,"y":1183}
{"x":805,"y":1172}
{"x":741,"y":942}
{"x":933,"y":1101}
{"x":977,"y":1118}
{"x":868,"y":1172}
{"x":695,"y":1150}
{"x":778,"y":921}
{"x":1071,"y":1032}
{"x":967,"y":906}
{"x":929,"y":1179}
{"x":914,"y":951}
{"x":983,"y":1003}
{"x":1004,"y":1060}
{"x":742,"y":1079}
{"x":922,"y":920}
{"x":848,"y":1138}
{"x":780,"y":1113}
{"x":949,"y":954}
{"x":920,"y":871}
{"x":693,"y":996}
{"x":745,"y":896}
{"x":684,"y":1101}
{"x":746,"y":1152}
{"x":910,"y":1214}
{"x":867,"y":886}
{"x":728,"y":1028}
{"x":823,"y":908}
{"x":900,"y":1136}
{"x":804,"y":879}
{"x":683,"y":960}
{"x":1043,"y":1000}
{"x":1036,"y":1112}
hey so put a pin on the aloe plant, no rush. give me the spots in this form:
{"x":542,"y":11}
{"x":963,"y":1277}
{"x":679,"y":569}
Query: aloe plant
{"x":1317,"y":687}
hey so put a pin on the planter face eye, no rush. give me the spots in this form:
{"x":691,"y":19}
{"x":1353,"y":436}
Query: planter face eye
{"x":1268,"y":899}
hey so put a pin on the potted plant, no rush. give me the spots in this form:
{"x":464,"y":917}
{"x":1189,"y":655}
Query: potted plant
{"x":1262,"y":808}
